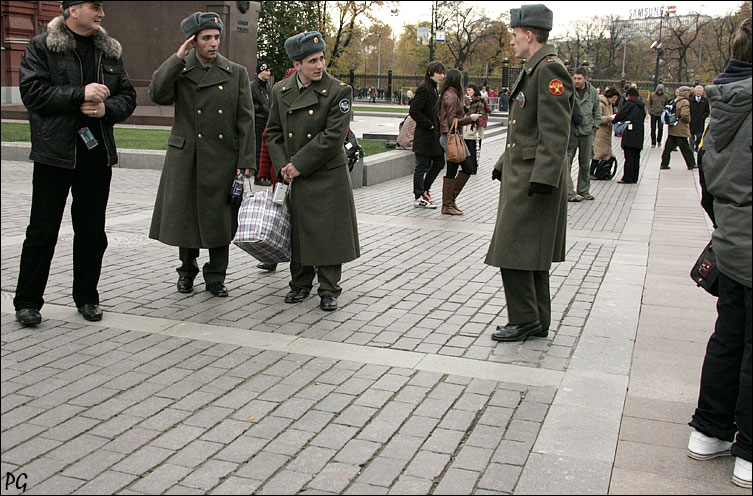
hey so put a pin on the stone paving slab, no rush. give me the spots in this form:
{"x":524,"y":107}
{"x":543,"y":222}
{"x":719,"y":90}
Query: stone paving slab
{"x":400,"y":391}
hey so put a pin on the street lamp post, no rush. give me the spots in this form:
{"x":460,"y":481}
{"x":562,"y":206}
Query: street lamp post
{"x":659,"y":51}
{"x":379,"y":58}
{"x":431,"y":39}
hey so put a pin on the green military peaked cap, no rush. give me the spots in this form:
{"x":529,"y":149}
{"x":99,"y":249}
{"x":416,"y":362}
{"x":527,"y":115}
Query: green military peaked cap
{"x":532,"y":16}
{"x":304,"y":44}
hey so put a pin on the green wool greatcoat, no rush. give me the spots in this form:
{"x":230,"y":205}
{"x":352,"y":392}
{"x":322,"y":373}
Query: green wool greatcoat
{"x":212,"y":136}
{"x":308,"y":129}
{"x":530,"y":230}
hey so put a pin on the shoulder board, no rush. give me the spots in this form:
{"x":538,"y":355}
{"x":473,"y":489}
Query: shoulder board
{"x":335,"y":82}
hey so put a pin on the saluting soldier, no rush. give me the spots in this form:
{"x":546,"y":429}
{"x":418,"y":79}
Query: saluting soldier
{"x":307,"y":125}
{"x":532,"y":215}
{"x":212,"y":139}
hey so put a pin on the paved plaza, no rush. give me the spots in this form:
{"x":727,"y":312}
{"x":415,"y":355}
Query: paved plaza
{"x":399,"y":391}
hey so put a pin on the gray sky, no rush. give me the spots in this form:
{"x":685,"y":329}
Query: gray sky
{"x":411,"y":12}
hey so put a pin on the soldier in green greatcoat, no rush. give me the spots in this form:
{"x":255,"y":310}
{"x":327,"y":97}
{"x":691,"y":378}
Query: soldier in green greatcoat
{"x":308,"y":121}
{"x":211,"y":141}
{"x":532,"y":215}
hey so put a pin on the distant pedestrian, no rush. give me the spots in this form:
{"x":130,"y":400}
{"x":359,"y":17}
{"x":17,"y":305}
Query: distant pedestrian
{"x":450,"y":107}
{"x":603,"y":137}
{"x":428,"y":152}
{"x":723,"y":419}
{"x":473,"y":133}
{"x":75,"y":88}
{"x":484,"y":93}
{"x":409,"y":96}
{"x":529,"y":233}
{"x":261,"y":94}
{"x":211,"y":141}
{"x":307,"y":126}
{"x":634,"y":110}
{"x":576,"y":119}
{"x":699,"y":111}
{"x":679,"y":133}
{"x":656,"y":103}
{"x":587,"y":99}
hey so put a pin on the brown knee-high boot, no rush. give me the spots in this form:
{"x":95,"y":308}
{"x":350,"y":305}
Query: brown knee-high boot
{"x":447,"y":188}
{"x":459,"y":183}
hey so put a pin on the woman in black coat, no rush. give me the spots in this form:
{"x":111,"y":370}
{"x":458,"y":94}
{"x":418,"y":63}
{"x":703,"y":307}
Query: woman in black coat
{"x":633,"y":110}
{"x":429,"y":153}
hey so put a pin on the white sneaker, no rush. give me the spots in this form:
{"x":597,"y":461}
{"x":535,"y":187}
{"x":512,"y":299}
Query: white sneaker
{"x":422,"y":203}
{"x":417,"y":202}
{"x":427,"y":199}
{"x":703,"y":447}
{"x":741,"y":475}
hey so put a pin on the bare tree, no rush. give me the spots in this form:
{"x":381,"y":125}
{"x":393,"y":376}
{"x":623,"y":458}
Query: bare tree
{"x":466,"y":29}
{"x":347,"y":15}
{"x":683,"y":32}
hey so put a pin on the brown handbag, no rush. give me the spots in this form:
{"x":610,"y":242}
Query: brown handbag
{"x":455,"y":144}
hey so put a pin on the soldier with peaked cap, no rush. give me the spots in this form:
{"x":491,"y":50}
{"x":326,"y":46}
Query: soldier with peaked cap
{"x":532,"y":215}
{"x":212,"y":139}
{"x":307,"y":125}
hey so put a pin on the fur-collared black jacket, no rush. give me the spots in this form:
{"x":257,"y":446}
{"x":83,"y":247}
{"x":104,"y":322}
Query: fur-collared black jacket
{"x":50,"y":81}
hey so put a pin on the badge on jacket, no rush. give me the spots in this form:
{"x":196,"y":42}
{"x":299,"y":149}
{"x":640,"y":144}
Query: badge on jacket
{"x":344,"y":105}
{"x":521,"y":99}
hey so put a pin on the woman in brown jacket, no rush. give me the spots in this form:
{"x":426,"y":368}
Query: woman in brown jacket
{"x":603,"y":139}
{"x":450,"y":106}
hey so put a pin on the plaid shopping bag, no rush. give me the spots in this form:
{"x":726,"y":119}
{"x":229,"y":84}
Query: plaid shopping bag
{"x":263,"y":228}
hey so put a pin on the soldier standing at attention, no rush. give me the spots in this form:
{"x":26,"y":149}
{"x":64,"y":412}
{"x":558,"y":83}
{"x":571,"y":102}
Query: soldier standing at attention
{"x":532,"y":215}
{"x":212,"y":139}
{"x":307,"y":125}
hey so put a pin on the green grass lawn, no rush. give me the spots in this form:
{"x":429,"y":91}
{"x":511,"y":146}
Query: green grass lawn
{"x":146,"y":139}
{"x":393,"y":110}
{"x":140,"y":139}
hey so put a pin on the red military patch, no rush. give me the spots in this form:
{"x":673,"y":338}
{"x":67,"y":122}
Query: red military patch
{"x":556,"y":87}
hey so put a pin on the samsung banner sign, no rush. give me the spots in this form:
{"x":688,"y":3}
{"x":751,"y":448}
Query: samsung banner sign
{"x":646,"y":12}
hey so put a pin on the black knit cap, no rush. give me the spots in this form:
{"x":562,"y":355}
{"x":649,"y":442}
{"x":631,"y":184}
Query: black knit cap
{"x":199,"y":21}
{"x":263,"y":66}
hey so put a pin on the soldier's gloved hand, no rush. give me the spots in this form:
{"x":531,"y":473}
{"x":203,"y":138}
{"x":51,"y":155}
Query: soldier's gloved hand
{"x":540,"y":189}
{"x":496,"y":174}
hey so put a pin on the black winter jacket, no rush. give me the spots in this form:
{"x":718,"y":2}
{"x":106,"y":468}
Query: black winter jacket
{"x":423,"y":111}
{"x":52,"y":89}
{"x":633,"y":110}
{"x":262,"y":97}
{"x":698,"y":113}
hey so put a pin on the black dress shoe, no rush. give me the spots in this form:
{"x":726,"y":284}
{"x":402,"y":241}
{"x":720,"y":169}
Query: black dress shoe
{"x":518,"y":332}
{"x":269,"y":267}
{"x":217,"y":289}
{"x":90,"y":312}
{"x":28,"y":317}
{"x":296,"y":295}
{"x":185,"y":284}
{"x":328,"y":303}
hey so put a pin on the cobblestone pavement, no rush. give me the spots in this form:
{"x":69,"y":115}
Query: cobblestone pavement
{"x":399,"y":391}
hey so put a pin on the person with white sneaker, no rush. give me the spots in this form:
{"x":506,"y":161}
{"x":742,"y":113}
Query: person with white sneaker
{"x":722,"y":420}
{"x":429,"y":154}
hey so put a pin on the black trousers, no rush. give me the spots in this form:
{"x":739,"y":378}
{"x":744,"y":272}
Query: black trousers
{"x":632,"y":164}
{"x":695,"y":140}
{"x":89,"y":184}
{"x":471,"y":159}
{"x":302,"y":276}
{"x":657,"y":128}
{"x":527,"y":294}
{"x":214,"y":271}
{"x":427,"y":169}
{"x":682,"y":143}
{"x":724,"y":401}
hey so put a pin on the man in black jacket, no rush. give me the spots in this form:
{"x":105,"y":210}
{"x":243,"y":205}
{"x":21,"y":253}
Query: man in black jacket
{"x":261,"y":93}
{"x":73,"y":83}
{"x":429,"y":153}
{"x":699,"y":111}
